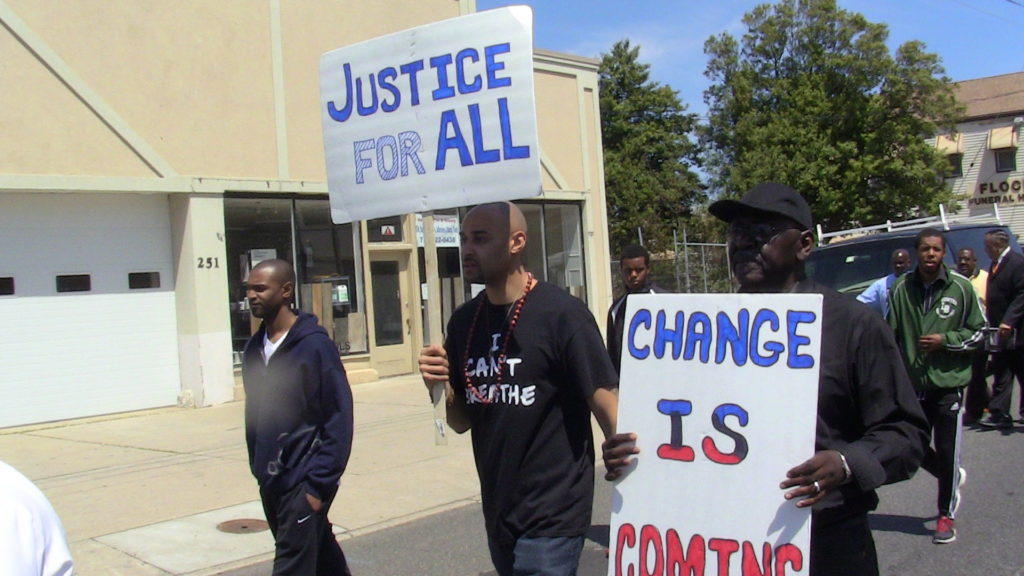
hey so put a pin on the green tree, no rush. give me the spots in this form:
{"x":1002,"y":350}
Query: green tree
{"x":811,"y":97}
{"x":647,"y":151}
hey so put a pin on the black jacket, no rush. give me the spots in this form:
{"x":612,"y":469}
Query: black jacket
{"x":298,"y":410}
{"x":616,"y":322}
{"x":867,"y":408}
{"x":1004,"y":297}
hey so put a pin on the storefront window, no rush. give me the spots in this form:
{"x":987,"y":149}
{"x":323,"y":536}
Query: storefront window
{"x":449,"y":266}
{"x":256,"y":229}
{"x":554,"y":250}
{"x":326,"y":257}
{"x":563,"y":236}
{"x":330,"y":278}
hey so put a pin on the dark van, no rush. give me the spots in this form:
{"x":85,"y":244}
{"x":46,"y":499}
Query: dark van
{"x":851,"y":265}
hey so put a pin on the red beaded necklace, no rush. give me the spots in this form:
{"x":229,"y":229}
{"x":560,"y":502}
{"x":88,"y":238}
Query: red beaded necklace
{"x":516,"y":311}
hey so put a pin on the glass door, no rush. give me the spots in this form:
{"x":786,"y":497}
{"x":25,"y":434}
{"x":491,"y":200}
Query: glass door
{"x":392,"y":323}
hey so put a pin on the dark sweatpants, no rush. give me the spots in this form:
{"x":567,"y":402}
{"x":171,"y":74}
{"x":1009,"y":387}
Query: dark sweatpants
{"x":1006,"y":365}
{"x":977,"y":398}
{"x":943,"y":407}
{"x":303,"y":542}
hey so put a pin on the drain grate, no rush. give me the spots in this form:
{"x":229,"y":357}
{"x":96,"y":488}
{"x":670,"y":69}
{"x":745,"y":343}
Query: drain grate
{"x":243,"y":526}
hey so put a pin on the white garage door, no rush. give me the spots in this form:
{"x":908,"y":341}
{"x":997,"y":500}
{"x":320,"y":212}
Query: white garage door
{"x":90,"y":327}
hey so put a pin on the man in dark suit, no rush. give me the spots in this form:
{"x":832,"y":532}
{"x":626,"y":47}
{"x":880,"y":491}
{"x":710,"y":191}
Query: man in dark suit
{"x":1005,"y":300}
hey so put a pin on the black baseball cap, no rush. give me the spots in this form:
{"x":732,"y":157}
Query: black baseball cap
{"x":767,"y":198}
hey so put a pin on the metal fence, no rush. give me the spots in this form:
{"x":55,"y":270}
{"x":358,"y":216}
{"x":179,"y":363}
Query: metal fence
{"x":691,"y":268}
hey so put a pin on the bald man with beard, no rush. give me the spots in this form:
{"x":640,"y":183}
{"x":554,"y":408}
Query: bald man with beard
{"x":524,"y":366}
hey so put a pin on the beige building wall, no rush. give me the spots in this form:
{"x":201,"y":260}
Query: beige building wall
{"x":572,"y":162}
{"x":198,"y":98}
{"x":993,"y":105}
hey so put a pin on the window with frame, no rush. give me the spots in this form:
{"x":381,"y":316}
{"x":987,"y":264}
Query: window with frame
{"x":1006,"y":159}
{"x":956,"y":165}
{"x":327,"y":260}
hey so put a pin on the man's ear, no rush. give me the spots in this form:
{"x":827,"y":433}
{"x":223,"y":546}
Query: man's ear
{"x":287,"y":291}
{"x":806,"y":245}
{"x":517,"y":242}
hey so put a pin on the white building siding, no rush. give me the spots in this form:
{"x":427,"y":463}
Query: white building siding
{"x":979,"y":168}
{"x":109,"y":349}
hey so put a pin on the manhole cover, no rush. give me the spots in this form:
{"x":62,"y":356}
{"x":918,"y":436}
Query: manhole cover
{"x":242,"y":526}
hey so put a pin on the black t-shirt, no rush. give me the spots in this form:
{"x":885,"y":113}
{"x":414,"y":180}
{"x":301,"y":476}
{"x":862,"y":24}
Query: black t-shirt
{"x":533,"y":445}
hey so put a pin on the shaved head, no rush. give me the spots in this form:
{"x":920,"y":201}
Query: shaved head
{"x":281,"y":271}
{"x":506,"y":217}
{"x":269,"y":289}
{"x":493,"y":243}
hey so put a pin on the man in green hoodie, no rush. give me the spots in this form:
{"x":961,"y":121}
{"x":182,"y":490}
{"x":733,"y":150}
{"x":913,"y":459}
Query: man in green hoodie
{"x":938,"y":323}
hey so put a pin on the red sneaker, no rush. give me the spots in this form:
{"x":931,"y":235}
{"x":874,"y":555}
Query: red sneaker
{"x":944,"y":531}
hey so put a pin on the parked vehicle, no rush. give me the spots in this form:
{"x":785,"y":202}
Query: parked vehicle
{"x":850,"y":260}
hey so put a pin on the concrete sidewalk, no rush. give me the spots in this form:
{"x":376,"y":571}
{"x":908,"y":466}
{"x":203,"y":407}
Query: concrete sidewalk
{"x":142,"y":494}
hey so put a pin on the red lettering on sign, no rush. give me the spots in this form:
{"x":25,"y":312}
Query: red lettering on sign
{"x":650,"y":537}
{"x":788,"y":554}
{"x":626,"y":536}
{"x":657,"y":556}
{"x":689,"y":564}
{"x":750,"y":564}
{"x":725,"y":549}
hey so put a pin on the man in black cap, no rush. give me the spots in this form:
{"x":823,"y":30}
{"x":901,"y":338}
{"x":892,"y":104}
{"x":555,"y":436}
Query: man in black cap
{"x":870,"y":431}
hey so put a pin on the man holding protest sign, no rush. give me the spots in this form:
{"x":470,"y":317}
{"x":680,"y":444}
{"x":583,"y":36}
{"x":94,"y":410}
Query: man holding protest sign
{"x":870,"y":429}
{"x":524,"y":367}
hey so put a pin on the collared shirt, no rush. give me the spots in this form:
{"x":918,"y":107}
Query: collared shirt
{"x":877,"y":294}
{"x":998,"y":261}
{"x":980,"y":282}
{"x":940,"y":280}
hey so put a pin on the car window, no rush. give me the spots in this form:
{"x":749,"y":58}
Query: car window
{"x":852,"y":265}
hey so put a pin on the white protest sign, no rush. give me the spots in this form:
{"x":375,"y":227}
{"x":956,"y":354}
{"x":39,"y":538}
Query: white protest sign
{"x":446,"y":230}
{"x":433,"y":117}
{"x":722,"y":393}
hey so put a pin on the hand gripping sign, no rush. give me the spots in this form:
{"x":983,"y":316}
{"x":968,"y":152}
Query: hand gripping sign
{"x":433,"y":117}
{"x":722,"y":392}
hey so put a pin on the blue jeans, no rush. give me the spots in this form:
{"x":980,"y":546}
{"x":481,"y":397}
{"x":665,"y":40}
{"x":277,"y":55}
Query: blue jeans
{"x":537,"y":556}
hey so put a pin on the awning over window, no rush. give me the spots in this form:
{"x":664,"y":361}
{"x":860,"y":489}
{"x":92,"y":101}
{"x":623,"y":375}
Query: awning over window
{"x":1004,"y":137}
{"x":950,"y":143}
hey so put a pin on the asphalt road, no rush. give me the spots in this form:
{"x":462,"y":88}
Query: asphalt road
{"x":990,"y":527}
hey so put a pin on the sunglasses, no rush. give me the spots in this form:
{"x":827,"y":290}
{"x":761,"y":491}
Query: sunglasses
{"x":759,"y":232}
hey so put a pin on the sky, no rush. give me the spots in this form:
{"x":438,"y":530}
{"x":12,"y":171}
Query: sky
{"x":974,"y":38}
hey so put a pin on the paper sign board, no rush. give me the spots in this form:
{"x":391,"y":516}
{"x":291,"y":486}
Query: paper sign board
{"x":721,"y":391}
{"x":433,"y":117}
{"x":446,"y":231}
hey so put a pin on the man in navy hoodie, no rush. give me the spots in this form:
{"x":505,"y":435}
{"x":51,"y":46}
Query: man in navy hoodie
{"x":298,"y":423}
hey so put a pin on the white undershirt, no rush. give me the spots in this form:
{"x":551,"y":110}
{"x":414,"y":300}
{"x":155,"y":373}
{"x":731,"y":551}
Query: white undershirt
{"x":270,"y":347}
